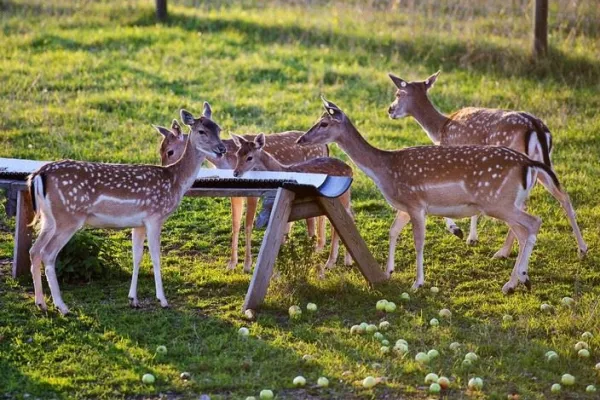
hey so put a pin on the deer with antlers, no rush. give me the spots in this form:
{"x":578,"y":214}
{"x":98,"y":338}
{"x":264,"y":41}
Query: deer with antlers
{"x":480,"y":126}
{"x":283,"y":147}
{"x":455,"y":181}
{"x":69,"y":194}
{"x":251,"y":155}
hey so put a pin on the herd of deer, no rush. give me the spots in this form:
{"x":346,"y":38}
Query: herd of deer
{"x":485,"y":161}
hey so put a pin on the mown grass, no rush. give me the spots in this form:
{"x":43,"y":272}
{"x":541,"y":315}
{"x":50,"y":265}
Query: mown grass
{"x":86,"y":79}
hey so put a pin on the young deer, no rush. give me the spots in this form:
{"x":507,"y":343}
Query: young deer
{"x":456,"y":181}
{"x":480,"y":126}
{"x":283,"y":147}
{"x":252,"y":155}
{"x":68,"y":194}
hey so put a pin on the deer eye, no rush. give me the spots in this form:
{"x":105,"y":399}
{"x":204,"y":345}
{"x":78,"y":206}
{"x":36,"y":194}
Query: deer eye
{"x":324,"y":124}
{"x":202,"y":132}
{"x":170,"y":153}
{"x":249,"y":158}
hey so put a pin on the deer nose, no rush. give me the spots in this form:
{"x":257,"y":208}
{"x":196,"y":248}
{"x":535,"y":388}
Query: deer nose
{"x":390,"y":110}
{"x":236,"y":174}
{"x":222,"y":148}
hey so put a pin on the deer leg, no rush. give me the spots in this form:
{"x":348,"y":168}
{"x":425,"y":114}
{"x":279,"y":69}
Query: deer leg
{"x":311,"y":227}
{"x":418,"y":226}
{"x":321,"y":233}
{"x":137,"y":244}
{"x":237,"y":204}
{"x":506,"y":248}
{"x":453,"y":228}
{"x":399,"y":223}
{"x":46,"y":233}
{"x":565,"y":202}
{"x":61,"y":237}
{"x":333,"y":253}
{"x":251,"y":205}
{"x":473,"y":237}
{"x":153,"y":230}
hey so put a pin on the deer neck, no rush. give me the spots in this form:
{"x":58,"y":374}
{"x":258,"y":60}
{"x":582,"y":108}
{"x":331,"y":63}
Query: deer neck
{"x":368,"y":158}
{"x":430,"y":119}
{"x":269,"y":163}
{"x":185,"y":170}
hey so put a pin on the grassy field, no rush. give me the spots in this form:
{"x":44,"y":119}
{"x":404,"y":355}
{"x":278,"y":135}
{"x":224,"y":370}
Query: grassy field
{"x":85,"y":80}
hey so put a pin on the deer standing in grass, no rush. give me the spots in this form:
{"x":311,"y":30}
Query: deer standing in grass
{"x":481,"y":126}
{"x":455,"y":181}
{"x":69,"y":194}
{"x":284,"y":148}
{"x":251,"y":155}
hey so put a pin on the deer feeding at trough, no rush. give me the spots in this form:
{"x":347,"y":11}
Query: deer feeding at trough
{"x":518,"y":130}
{"x":68,"y":194}
{"x":454,"y":181}
{"x":252,"y":155}
{"x":284,"y":148}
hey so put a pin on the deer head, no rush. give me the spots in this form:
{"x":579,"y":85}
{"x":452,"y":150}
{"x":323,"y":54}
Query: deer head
{"x":204,"y":134}
{"x":172,"y":144}
{"x":329,"y":128}
{"x":409,"y":95}
{"x":248,"y":153}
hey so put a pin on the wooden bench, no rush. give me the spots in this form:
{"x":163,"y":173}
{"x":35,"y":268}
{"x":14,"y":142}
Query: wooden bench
{"x":293,"y":202}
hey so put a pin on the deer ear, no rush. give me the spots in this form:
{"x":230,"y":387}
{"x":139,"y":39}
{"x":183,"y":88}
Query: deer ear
{"x":237,"y":139}
{"x":207,"y":111}
{"x":332,"y":109}
{"x":187,"y":117}
{"x":162,"y":130}
{"x":431,"y":80}
{"x":176,"y":128}
{"x":399,"y":82}
{"x":259,"y":141}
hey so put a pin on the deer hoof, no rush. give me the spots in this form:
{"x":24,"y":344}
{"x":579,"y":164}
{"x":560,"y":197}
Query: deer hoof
{"x":42,"y":306}
{"x":472,"y":242}
{"x":133,"y":302}
{"x":164,"y":303}
{"x":527,"y":284}
{"x":416,"y":286}
{"x":456,"y":231}
{"x":582,"y":253}
{"x":64,"y":310}
{"x":500,"y":255}
{"x":508,"y":288}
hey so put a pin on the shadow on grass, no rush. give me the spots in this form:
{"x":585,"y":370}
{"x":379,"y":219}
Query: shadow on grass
{"x":560,"y":67}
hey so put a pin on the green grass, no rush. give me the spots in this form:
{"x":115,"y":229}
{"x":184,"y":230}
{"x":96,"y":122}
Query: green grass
{"x":86,"y":79}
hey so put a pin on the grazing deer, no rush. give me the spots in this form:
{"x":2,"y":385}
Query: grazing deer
{"x":251,"y":155}
{"x":480,"y":126}
{"x":68,"y":194}
{"x":283,"y":147}
{"x":455,"y":181}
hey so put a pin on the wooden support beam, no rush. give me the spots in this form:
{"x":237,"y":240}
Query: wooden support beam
{"x":303,"y":209}
{"x":269,"y":249}
{"x":161,"y":10}
{"x":343,"y":224}
{"x":23,"y":235}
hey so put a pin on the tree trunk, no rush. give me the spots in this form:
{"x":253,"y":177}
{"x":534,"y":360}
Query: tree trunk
{"x":540,"y":28}
{"x":161,"y":10}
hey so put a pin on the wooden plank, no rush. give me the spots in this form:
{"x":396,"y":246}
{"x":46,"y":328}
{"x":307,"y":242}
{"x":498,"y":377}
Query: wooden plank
{"x":161,"y":10}
{"x":23,"y":235}
{"x":354,"y":243}
{"x":269,"y":249}
{"x":305,"y":209}
{"x":207,"y":192}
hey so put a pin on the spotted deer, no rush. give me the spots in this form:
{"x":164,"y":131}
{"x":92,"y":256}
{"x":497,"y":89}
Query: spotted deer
{"x":283,"y":147}
{"x":69,"y":194}
{"x":251,"y":155}
{"x":480,"y":126}
{"x":455,"y":181}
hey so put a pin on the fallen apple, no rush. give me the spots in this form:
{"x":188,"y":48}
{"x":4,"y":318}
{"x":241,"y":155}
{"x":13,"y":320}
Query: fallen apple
{"x":567,"y":380}
{"x":148,"y":379}
{"x":385,"y":342}
{"x":444,"y":382}
{"x":507,"y":318}
{"x":433,"y":353}
{"x":322,"y":382}
{"x":434,"y":322}
{"x":475,"y":383}
{"x":405,"y":296}
{"x":162,"y":350}
{"x":384,"y":326}
{"x":590,"y":389}
{"x":431,"y":378}
{"x":555,"y":388}
{"x":434,"y":289}
{"x":266,"y":394}
{"x":312,"y":307}
{"x":471,"y":357}
{"x":454,"y":346}
{"x":371,"y":328}
{"x":243,"y":332}
{"x":581,"y":345}
{"x":583,"y":353}
{"x":445,"y":313}
{"x":435,"y":388}
{"x":567,"y":301}
{"x":299,"y":381}
{"x":295,"y":312}
{"x":587,"y":336}
{"x":380,"y":306}
{"x":369,"y":382}
{"x":390,"y":307}
{"x":422,"y":358}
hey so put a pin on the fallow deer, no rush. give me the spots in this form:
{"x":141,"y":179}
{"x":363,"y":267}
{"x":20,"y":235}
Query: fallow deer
{"x":455,"y":181}
{"x":252,"y":155}
{"x":280,"y":145}
{"x":480,"y":126}
{"x":69,"y":194}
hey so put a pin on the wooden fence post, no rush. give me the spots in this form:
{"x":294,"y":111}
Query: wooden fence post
{"x":161,"y":10}
{"x":540,"y":28}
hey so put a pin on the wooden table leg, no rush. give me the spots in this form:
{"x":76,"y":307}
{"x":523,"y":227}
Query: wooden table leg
{"x":23,"y":235}
{"x":354,"y":243}
{"x":269,"y":249}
